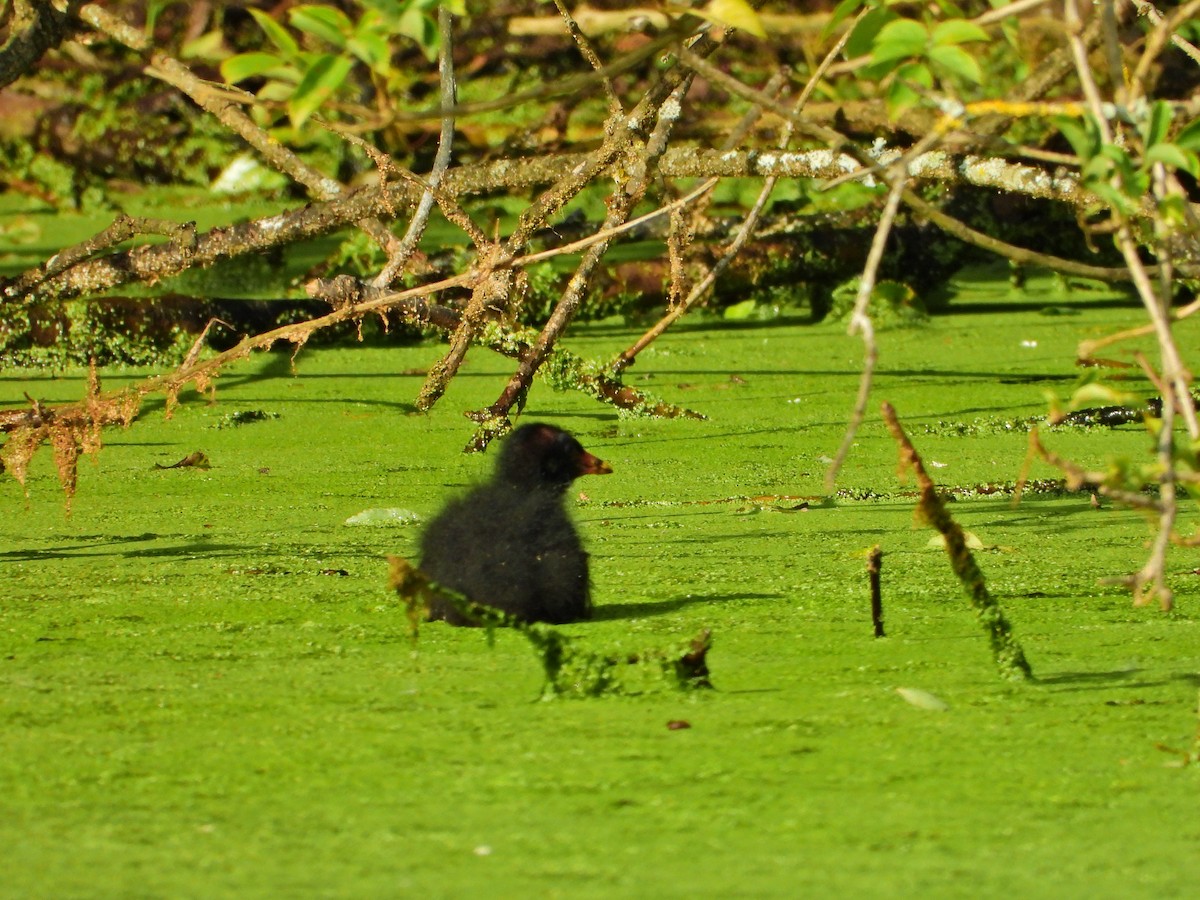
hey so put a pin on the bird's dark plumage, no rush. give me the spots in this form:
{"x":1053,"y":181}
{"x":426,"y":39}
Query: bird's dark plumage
{"x":510,"y":543}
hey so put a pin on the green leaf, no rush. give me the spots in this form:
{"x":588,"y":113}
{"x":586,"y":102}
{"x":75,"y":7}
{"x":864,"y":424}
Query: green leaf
{"x":251,"y":65}
{"x":329,"y":24}
{"x":958,"y":61}
{"x":1157,"y":124}
{"x":1175,"y":157}
{"x":1111,"y":196}
{"x":208,"y":46}
{"x":740,"y":311}
{"x":373,"y":49}
{"x":1011,"y":32}
{"x":841,"y":12}
{"x":277,"y":91}
{"x":900,"y":39}
{"x":417,"y":25}
{"x":277,"y":34}
{"x":916,"y":73}
{"x":1097,"y":394}
{"x":901,"y":97}
{"x":324,"y":77}
{"x":862,"y":38}
{"x":957,"y":31}
{"x":1099,"y":168}
{"x":1119,"y":155}
{"x":1174,"y":209}
{"x":1189,"y":137}
{"x":1083,"y":140}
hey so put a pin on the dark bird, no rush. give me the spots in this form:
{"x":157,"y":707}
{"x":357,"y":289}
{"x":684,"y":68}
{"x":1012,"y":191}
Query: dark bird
{"x":509,"y":543}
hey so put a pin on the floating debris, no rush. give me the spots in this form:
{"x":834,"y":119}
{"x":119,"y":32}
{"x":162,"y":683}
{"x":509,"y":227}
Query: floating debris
{"x":923,"y":699}
{"x":244,"y":417}
{"x":972,"y":541}
{"x":569,"y":669}
{"x":387,"y":516}
{"x":197,"y":460}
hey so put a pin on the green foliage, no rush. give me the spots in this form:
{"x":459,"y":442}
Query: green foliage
{"x":129,"y":131}
{"x":1121,"y":471}
{"x":909,"y":56}
{"x":307,"y":79}
{"x":893,"y":304}
{"x":112,"y":333}
{"x":1118,"y":175}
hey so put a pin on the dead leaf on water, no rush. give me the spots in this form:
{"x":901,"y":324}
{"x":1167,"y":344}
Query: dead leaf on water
{"x":197,"y":460}
{"x":384,"y":516}
{"x":923,"y":699}
{"x":972,"y":539}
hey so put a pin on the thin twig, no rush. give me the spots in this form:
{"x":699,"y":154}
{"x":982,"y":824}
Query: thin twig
{"x":1176,"y":395}
{"x":701,"y":288}
{"x":860,"y":322}
{"x":1150,"y":581}
{"x":216,"y":101}
{"x":1156,"y":41}
{"x":823,"y":67}
{"x":1087,"y":349}
{"x":399,"y":257}
{"x":642,"y":159}
{"x":1078,"y":478}
{"x":593,"y":59}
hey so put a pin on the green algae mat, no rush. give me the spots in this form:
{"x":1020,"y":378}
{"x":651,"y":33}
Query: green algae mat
{"x":209,"y":690}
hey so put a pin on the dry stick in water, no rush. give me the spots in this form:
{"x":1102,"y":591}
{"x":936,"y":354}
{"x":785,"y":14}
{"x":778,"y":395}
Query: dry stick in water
{"x":1007,"y":652}
{"x":874,"y":568}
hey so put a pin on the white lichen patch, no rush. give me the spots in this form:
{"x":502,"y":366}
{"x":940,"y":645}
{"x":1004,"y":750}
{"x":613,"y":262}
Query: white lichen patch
{"x":270,"y":224}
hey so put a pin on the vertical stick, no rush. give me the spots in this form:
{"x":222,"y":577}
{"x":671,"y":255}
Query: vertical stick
{"x":1007,"y":652}
{"x":874,"y":565}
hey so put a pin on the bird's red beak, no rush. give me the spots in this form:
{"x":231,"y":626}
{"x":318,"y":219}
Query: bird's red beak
{"x":593,"y":465}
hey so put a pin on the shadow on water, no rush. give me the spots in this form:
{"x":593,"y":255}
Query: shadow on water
{"x":114,"y":545}
{"x":1093,"y":681}
{"x":955,"y":306}
{"x":613,"y":612}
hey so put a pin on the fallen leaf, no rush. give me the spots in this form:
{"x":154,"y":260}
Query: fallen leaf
{"x":972,"y":540}
{"x":384,"y":516}
{"x":923,"y":699}
{"x":734,"y":13}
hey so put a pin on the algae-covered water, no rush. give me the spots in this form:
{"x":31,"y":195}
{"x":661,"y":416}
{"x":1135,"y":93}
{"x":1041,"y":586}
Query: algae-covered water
{"x":208,"y":690}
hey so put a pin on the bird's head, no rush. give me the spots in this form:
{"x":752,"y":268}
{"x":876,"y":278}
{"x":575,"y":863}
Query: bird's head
{"x":544,"y":456}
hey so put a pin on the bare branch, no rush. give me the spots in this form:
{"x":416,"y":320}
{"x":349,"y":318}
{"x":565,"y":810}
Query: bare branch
{"x":1006,"y":650}
{"x":33,"y":28}
{"x":400,"y":255}
{"x":861,"y":322}
{"x":589,"y":53}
